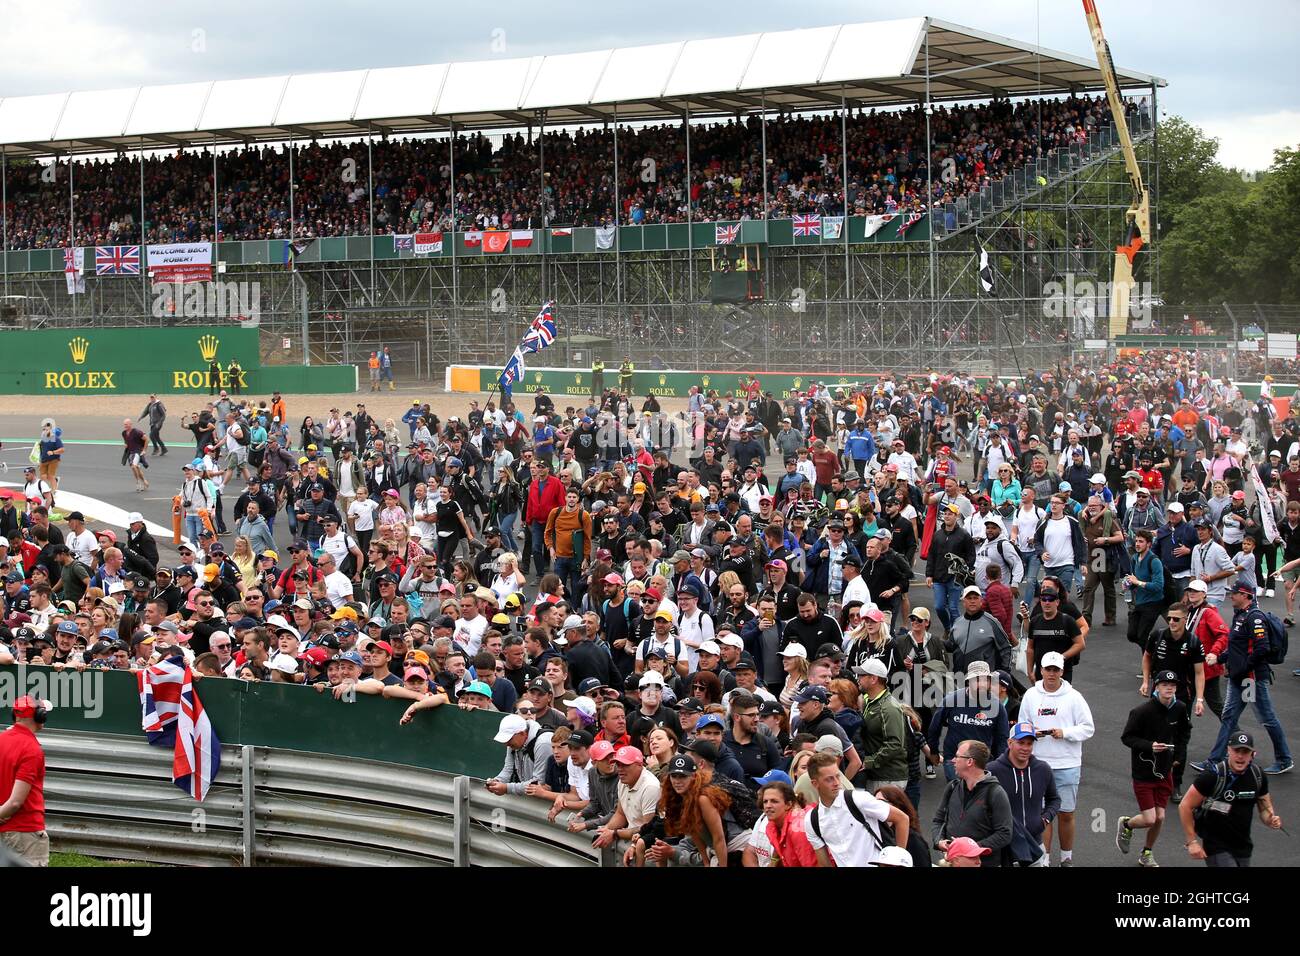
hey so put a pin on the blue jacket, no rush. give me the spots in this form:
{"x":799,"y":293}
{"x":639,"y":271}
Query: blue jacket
{"x":860,"y":446}
{"x":1033,"y":797}
{"x":1149,"y":569}
{"x":818,"y":578}
{"x":1168,"y":538}
{"x":967,"y":720}
{"x":1248,"y":645}
{"x":753,"y":647}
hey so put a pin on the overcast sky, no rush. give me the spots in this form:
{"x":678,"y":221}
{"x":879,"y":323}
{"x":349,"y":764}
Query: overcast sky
{"x":1231,"y":69}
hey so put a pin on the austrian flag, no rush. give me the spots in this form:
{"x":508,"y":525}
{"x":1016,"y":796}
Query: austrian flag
{"x":172,"y":715}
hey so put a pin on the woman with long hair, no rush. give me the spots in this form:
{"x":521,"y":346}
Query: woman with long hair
{"x":503,"y":504}
{"x":452,"y":528}
{"x":310,"y":433}
{"x":692,"y":805}
{"x":784,"y":825}
{"x":799,"y":766}
{"x":796,"y":675}
{"x":846,"y":705}
{"x":777,"y":721}
{"x":244,"y":559}
{"x":662,"y":746}
{"x":916,"y":846}
{"x":873,"y":641}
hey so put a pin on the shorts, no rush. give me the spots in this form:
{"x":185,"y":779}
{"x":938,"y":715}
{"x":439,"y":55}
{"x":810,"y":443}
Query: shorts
{"x":237,"y":458}
{"x":32,"y":848}
{"x":1153,"y":794}
{"x":133,"y":460}
{"x":1067,"y":787}
{"x":1291,"y":576}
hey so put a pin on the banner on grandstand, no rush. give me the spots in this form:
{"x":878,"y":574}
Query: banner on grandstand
{"x":424,"y":243}
{"x":495,"y":240}
{"x":833,"y":227}
{"x":605,"y":237}
{"x":180,"y":262}
{"x":873,"y":224}
{"x":807,"y":225}
{"x":117,"y":260}
{"x":473,"y":239}
{"x":909,"y":220}
{"x":725,"y":235}
{"x":521,"y":238}
{"x":74,"y":270}
{"x":404,"y":243}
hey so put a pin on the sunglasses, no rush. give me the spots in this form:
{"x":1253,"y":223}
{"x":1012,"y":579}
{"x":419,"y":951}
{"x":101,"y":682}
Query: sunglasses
{"x":1049,"y":596}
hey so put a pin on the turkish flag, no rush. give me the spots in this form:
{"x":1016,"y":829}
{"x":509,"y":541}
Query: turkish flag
{"x":496,"y":240}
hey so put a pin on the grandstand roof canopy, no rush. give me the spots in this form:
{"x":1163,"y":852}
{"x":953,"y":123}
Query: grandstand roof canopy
{"x":871,"y":64}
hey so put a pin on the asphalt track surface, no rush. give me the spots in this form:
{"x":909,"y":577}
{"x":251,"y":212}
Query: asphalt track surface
{"x":1105,"y":678}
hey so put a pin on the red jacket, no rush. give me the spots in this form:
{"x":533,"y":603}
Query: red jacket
{"x":1212,"y":632}
{"x":542,"y":502}
{"x":998,"y":601}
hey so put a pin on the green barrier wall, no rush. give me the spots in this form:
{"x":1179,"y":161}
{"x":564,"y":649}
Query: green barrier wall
{"x":276,"y":715}
{"x":676,"y":384}
{"x":139,"y":361}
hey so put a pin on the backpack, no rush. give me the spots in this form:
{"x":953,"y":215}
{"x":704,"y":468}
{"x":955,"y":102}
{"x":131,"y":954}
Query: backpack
{"x":744,"y":808}
{"x":1220,"y":785}
{"x":882,"y":839}
{"x":1278,"y":639}
{"x":243,"y":438}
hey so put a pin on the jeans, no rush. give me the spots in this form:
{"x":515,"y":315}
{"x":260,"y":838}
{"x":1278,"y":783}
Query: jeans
{"x":537,"y":533}
{"x":508,"y":529}
{"x":1232,"y":709}
{"x":1029,"y":587}
{"x":1066,"y":572}
{"x":913,"y":792}
{"x":949,"y":771}
{"x":193,"y":526}
{"x":947,"y":594}
{"x":567,"y":569}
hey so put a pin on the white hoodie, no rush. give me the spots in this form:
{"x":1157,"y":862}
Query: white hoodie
{"x":1064,"y":708}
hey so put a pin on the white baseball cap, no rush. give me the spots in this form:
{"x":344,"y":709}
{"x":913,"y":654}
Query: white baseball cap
{"x":1098,"y":479}
{"x":284,"y":664}
{"x":1176,"y":507}
{"x":1197,"y":585}
{"x":710,"y":647}
{"x":733,"y":640}
{"x":511,"y":724}
{"x":875,"y":667}
{"x":1051,"y":659}
{"x":133,"y":517}
{"x":651,"y":678}
{"x":793,"y":649}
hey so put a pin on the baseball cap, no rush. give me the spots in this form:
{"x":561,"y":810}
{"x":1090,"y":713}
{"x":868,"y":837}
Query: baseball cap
{"x":1097,"y":479}
{"x":601,"y":750}
{"x":651,"y":678}
{"x":794,"y":649}
{"x":628,"y":755}
{"x":583,"y":705}
{"x":812,"y":692}
{"x":25,"y":706}
{"x":829,"y":743}
{"x":681,"y":765}
{"x":710,"y":720}
{"x":539,"y":684}
{"x":710,"y":647}
{"x":875,"y":667}
{"x":1241,"y":739}
{"x":690,"y":705}
{"x":614,"y":579}
{"x":893,"y":856}
{"x":1166,"y":677}
{"x":1242,"y":588}
{"x":971,"y":589}
{"x":579,"y":738}
{"x":1051,"y":659}
{"x":1176,"y":507}
{"x":774,"y":776}
{"x":1023,"y":730}
{"x":284,"y":664}
{"x":922,"y":612}
{"x":511,"y":724}
{"x":966,"y":847}
{"x":351,"y":657}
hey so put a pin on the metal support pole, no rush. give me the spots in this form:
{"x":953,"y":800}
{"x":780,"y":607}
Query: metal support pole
{"x":844,"y":227}
{"x":929,"y":191}
{"x":249,"y":795}
{"x":72,"y":231}
{"x":541,"y":177}
{"x":370,"y":203}
{"x":690,"y":237}
{"x":455,"y":285}
{"x":291,"y":208}
{"x":144,"y":261}
{"x":1236,"y":341}
{"x":763,"y":130}
{"x":306,"y":348}
{"x":618,"y":222}
{"x":216,"y":221}
{"x":460,"y":821}
{"x":4,"y":216}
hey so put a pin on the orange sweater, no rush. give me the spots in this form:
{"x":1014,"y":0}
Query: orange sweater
{"x":560,"y":526}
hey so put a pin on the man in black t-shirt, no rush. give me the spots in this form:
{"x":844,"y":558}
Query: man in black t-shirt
{"x":1050,"y":630}
{"x":1226,"y":796}
{"x":1175,"y":649}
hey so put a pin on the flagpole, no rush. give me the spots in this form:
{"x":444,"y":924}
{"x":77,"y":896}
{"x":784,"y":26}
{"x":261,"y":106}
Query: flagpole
{"x":72,"y":234}
{"x":4,"y":216}
{"x":618,"y":222}
{"x":455,"y":286}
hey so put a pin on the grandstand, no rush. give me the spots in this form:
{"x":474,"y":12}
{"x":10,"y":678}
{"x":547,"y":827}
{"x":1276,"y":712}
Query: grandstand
{"x":588,"y":160}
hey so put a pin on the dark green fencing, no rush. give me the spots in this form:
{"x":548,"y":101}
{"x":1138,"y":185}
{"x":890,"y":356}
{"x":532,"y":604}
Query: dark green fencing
{"x":279,"y":716}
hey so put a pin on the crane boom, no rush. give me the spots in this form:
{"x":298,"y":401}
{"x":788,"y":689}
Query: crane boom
{"x":1138,"y":216}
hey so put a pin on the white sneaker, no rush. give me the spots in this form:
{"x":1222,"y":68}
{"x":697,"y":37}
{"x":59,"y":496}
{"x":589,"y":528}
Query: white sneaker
{"x":1259,"y":592}
{"x":1268,"y":593}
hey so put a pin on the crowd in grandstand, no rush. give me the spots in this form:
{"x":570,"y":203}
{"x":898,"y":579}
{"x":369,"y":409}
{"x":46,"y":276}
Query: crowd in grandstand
{"x":704,"y":632}
{"x":498,"y":184}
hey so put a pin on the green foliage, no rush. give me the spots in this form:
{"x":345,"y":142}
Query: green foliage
{"x":1222,"y":238}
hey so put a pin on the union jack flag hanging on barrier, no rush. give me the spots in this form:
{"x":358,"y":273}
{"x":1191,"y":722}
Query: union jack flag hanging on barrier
{"x":807,"y":225}
{"x":117,"y":260}
{"x":172,"y":715}
{"x":725,"y":235}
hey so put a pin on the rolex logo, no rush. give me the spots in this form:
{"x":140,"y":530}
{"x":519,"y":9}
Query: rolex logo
{"x":537,"y":377}
{"x":705,"y":380}
{"x":79,"y":347}
{"x":663,"y":379}
{"x":798,"y":382}
{"x":577,"y":378}
{"x":208,"y":347}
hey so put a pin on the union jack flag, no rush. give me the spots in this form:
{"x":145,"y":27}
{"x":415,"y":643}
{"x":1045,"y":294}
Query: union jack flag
{"x":117,"y":260}
{"x":807,"y":225}
{"x":404,"y":243}
{"x":542,"y":331}
{"x":172,"y":715}
{"x":512,"y":373}
{"x":725,"y":235}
